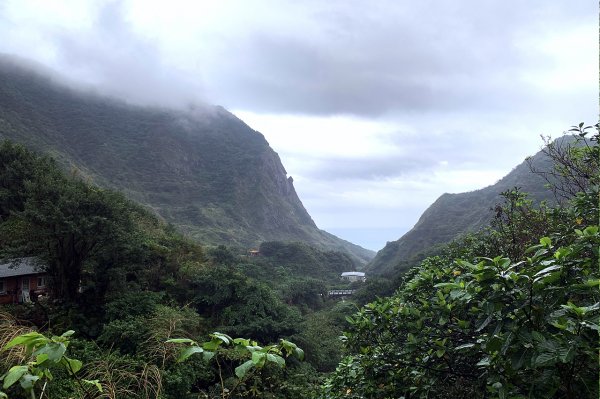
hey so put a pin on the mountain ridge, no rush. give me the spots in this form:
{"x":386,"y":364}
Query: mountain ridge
{"x":452,"y":215}
{"x":202,"y":169}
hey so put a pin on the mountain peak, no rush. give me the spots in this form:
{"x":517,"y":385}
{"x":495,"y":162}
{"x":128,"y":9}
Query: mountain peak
{"x":452,"y":215}
{"x":202,"y":169}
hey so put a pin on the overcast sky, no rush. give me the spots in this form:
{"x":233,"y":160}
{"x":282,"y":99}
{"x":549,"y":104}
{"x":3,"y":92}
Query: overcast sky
{"x":375,"y":107}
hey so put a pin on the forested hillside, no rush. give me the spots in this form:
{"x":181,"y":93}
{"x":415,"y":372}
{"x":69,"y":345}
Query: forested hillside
{"x":452,"y":215}
{"x":202,"y":169}
{"x":126,"y":282}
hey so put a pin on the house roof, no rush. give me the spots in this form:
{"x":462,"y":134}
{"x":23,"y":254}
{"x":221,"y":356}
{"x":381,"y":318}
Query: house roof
{"x":20,"y":267}
{"x":356,"y":274}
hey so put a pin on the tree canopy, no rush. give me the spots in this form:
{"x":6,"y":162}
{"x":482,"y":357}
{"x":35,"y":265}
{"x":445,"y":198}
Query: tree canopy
{"x":474,"y":322}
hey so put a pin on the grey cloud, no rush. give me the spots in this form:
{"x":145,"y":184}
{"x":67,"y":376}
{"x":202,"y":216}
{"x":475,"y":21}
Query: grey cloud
{"x":417,"y":156}
{"x":121,"y":63}
{"x":439,"y":57}
{"x":334,"y":57}
{"x":367,"y":168}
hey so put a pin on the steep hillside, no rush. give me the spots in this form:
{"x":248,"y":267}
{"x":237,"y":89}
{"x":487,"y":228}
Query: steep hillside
{"x":202,"y":169}
{"x":454,"y":214}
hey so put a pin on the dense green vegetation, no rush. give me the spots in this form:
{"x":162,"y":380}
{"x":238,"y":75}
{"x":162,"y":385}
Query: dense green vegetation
{"x":127,"y":282}
{"x":510,"y":313}
{"x":201,"y":169}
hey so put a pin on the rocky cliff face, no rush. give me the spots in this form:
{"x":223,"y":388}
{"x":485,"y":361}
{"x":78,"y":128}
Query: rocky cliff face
{"x":202,"y":169}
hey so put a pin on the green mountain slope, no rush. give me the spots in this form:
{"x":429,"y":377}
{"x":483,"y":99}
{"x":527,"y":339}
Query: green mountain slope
{"x":454,"y":214}
{"x":202,"y":169}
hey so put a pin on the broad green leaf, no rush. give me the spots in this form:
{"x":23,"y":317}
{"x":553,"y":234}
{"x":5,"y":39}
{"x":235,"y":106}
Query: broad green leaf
{"x":518,"y":359}
{"x":544,"y":359}
{"x":464,"y":346}
{"x":13,"y":375}
{"x":48,"y":374}
{"x":538,"y":336}
{"x":242,"y":341}
{"x":539,"y":253}
{"x":26,"y":339}
{"x":259,"y":358}
{"x":271,"y":349}
{"x":253,"y":348}
{"x":592,"y":282}
{"x":54,"y":350}
{"x":590,"y":308}
{"x":299,"y":353}
{"x":41,"y":358}
{"x":466,"y":265}
{"x":579,"y":311}
{"x":242,"y":369}
{"x":532,"y":248}
{"x":546,"y":241}
{"x":74,"y":365}
{"x":226,"y":339}
{"x":560,"y":324}
{"x":484,"y":362}
{"x":504,"y":263}
{"x":287,"y":345}
{"x":589,"y":325}
{"x":550,"y":345}
{"x":27,"y":381}
{"x":507,"y":343}
{"x":442,"y":285}
{"x":189,"y":351}
{"x":275,"y":359}
{"x":485,"y":323}
{"x":457,"y":294}
{"x":562,"y":253}
{"x":95,"y":383}
{"x":211,"y":345}
{"x":411,"y":338}
{"x":207,"y":355}
{"x":547,"y":270}
{"x":493,"y":344}
{"x":549,"y":278}
{"x":566,"y":355}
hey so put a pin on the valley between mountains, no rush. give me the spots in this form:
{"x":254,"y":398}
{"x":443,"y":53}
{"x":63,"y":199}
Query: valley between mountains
{"x":159,"y":253}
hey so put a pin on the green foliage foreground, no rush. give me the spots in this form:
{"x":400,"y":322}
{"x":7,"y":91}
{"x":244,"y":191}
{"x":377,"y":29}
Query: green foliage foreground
{"x":463,"y":325}
{"x":44,"y":355}
{"x":500,"y":328}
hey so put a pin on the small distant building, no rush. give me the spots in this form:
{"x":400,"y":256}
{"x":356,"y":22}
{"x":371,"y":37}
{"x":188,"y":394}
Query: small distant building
{"x":21,"y":281}
{"x":354,"y":276}
{"x":254,"y":252}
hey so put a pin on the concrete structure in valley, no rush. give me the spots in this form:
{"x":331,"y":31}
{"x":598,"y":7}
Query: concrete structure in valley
{"x":354,"y":276}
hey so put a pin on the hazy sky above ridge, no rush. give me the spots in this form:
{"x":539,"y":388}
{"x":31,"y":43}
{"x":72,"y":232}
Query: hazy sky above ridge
{"x":375,"y":108}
